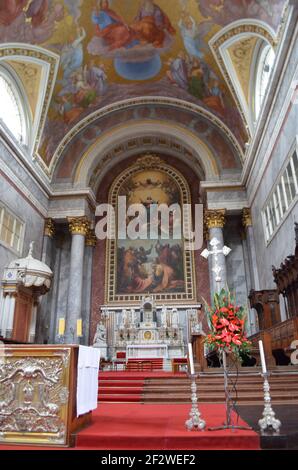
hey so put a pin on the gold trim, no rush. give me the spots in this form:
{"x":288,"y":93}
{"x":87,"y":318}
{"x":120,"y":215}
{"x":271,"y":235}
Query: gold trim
{"x":79,"y":225}
{"x":215,"y":218}
{"x":49,"y":228}
{"x":246,"y":217}
{"x":91,"y":239}
{"x":37,"y":385}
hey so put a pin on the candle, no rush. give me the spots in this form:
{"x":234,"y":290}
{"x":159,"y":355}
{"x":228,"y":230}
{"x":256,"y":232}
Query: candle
{"x":263,"y":360}
{"x":190,"y":356}
{"x":79,"y":327}
{"x":61,"y":326}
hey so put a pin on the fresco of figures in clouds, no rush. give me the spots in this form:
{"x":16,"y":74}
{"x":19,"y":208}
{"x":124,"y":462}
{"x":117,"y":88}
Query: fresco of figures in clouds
{"x":112,"y":50}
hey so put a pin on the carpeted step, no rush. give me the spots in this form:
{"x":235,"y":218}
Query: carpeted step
{"x":120,"y":383}
{"x":120,"y":390}
{"x":125,"y":398}
{"x":167,"y":387}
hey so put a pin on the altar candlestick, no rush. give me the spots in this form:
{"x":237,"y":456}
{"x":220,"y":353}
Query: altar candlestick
{"x":61,"y":326}
{"x":191,"y":363}
{"x":263,"y":361}
{"x":79,"y":328}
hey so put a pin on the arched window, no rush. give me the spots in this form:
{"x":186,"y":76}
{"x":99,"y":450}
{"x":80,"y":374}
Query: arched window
{"x":11,"y":110}
{"x":264,"y":69}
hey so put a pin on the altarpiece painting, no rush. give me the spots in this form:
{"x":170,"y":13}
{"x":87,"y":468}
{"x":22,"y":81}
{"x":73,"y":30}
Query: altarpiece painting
{"x":161,"y":267}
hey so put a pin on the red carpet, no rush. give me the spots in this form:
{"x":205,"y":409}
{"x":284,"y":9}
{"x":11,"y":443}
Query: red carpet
{"x":150,"y":427}
{"x":125,"y":386}
{"x":155,"y":427}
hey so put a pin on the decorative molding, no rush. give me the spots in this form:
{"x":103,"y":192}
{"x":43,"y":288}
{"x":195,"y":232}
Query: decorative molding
{"x":50,"y":63}
{"x":229,"y":35}
{"x":49,"y":228}
{"x":246,"y":217}
{"x":155,"y":136}
{"x":231,"y":206}
{"x":150,"y":100}
{"x":215,"y":218}
{"x":91,"y":239}
{"x":241,"y":53}
{"x":79,"y":226}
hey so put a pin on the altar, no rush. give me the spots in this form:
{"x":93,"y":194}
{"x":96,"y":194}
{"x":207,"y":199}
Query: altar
{"x":144,"y":351}
{"x":142,"y":334}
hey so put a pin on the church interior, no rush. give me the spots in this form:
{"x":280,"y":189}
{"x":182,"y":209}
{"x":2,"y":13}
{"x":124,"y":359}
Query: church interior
{"x":106,"y":342}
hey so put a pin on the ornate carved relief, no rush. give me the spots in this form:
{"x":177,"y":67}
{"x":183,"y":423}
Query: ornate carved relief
{"x":34,"y":394}
{"x":79,"y":226}
{"x":215,"y":218}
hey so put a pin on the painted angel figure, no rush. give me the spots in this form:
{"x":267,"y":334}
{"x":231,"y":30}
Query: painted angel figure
{"x":96,"y":77}
{"x":72,"y":55}
{"x":193,"y":35}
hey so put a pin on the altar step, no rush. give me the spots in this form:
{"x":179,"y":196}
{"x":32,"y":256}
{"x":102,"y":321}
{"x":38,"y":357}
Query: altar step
{"x":249,"y":389}
{"x":140,"y":365}
{"x":125,"y":386}
{"x":163,"y":387}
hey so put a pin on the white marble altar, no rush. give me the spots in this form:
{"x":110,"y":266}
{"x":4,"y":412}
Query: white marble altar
{"x":142,"y":336}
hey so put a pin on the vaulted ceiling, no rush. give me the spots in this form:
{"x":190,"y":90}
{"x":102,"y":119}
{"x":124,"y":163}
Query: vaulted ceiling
{"x":109,"y":58}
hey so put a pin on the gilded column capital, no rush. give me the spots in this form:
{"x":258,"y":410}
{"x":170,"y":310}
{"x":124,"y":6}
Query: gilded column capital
{"x":49,"y":228}
{"x":215,"y":218}
{"x":79,"y":225}
{"x":91,"y":238}
{"x":246,"y":217}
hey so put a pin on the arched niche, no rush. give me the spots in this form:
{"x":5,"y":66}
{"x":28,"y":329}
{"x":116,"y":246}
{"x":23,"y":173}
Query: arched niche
{"x":163,"y":268}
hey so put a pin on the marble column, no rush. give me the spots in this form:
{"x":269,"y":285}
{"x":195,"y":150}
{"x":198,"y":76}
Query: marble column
{"x":215,"y":221}
{"x":90,"y":244}
{"x":79,"y":228}
{"x":247,"y":224}
{"x":252,"y":276}
{"x":54,"y":307}
{"x":43,"y":311}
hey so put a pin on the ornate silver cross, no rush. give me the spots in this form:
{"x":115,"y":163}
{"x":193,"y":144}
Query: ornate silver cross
{"x":215,"y":252}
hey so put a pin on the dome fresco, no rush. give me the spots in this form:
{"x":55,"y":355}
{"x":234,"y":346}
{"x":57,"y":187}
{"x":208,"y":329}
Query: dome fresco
{"x":111,"y":51}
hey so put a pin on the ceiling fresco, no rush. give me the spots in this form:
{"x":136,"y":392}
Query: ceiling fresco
{"x":120,"y":49}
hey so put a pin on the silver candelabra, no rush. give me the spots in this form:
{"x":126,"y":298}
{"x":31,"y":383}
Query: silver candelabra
{"x":195,"y":422}
{"x":269,"y":420}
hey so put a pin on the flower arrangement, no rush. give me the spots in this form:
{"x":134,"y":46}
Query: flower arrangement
{"x":227,"y":326}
